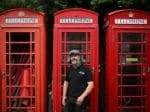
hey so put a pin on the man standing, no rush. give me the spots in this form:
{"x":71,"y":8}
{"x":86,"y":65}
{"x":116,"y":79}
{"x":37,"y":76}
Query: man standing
{"x":77,"y":85}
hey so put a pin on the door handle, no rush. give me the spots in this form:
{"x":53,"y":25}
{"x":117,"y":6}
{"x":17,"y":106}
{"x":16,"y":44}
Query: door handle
{"x":2,"y":74}
{"x":147,"y":69}
{"x":92,"y":69}
{"x":99,"y":68}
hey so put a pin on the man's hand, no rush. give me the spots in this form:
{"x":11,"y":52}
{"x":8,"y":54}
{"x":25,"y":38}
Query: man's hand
{"x":65,"y":88}
{"x":85,"y":93}
{"x":64,"y":101}
{"x":79,"y":100}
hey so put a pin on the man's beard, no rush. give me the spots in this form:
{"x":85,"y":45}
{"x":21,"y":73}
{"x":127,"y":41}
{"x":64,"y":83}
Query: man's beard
{"x":75,"y":63}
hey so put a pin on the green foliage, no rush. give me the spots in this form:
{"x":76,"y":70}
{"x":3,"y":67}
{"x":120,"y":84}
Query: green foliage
{"x":130,"y":3}
{"x":32,"y":4}
{"x":96,"y":4}
{"x":51,"y":6}
{"x":118,"y":4}
{"x":55,"y":5}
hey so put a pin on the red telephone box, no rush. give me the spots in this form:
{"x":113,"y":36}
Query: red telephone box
{"x":74,"y":28}
{"x":22,"y":52}
{"x":127,"y":61}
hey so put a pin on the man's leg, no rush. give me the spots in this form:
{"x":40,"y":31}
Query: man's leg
{"x":79,"y":109}
{"x":69,"y":107}
{"x":83,"y":107}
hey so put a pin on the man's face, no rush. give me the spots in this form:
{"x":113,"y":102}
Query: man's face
{"x":75,"y":59}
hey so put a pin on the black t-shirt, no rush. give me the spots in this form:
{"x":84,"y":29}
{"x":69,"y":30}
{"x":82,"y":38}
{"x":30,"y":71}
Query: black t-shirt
{"x":78,"y":78}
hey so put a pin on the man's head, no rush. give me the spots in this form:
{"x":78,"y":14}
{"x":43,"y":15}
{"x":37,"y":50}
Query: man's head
{"x":75,"y":56}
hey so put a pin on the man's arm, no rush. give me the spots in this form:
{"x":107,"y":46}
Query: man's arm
{"x":85,"y":93}
{"x":65,"y":88}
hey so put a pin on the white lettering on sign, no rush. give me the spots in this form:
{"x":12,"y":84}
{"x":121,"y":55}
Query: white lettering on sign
{"x":130,"y":21}
{"x":21,"y":20}
{"x":76,"y":20}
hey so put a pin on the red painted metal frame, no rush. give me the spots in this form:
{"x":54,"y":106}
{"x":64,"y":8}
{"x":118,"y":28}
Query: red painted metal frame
{"x":63,"y":29}
{"x":37,"y":67}
{"x":148,"y":74}
{"x":112,"y":31}
{"x":0,"y":90}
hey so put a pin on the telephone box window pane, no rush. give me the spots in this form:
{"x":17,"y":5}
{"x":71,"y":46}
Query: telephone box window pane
{"x":132,"y":69}
{"x":88,"y":48}
{"x":89,"y":36}
{"x":144,"y":47}
{"x":131,"y":48}
{"x":131,"y":91}
{"x":7,"y":37}
{"x":132,"y":101}
{"x":63,"y":36}
{"x":119,"y":37}
{"x":20,"y":37}
{"x":119,"y":69}
{"x":144,"y":80}
{"x":119,"y":48}
{"x":8,"y":103}
{"x":81,"y":47}
{"x":130,"y":59}
{"x":132,"y":110}
{"x":14,"y":74}
{"x":15,"y":91}
{"x":7,"y":59}
{"x":33,"y":59}
{"x":85,"y":58}
{"x":76,"y":36}
{"x":20,"y":48}
{"x":7,"y":69}
{"x":7,"y":81}
{"x":7,"y":48}
{"x":88,"y":59}
{"x":132,"y":80}
{"x":64,"y":59}
{"x":144,"y":37}
{"x":132,"y":37}
{"x":119,"y":80}
{"x":63,"y":70}
{"x":32,"y":37}
{"x":63,"y":47}
{"x":20,"y":59}
{"x":33,"y":47}
{"x":7,"y":90}
{"x":16,"y":102}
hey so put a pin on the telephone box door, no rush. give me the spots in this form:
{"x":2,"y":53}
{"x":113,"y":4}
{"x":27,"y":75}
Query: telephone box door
{"x":85,"y":41}
{"x":19,"y":80}
{"x":133,"y":67}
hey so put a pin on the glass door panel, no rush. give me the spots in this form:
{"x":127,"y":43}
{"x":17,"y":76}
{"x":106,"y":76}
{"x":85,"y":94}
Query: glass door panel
{"x":20,"y":71}
{"x":131,"y":81}
{"x":74,"y":40}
